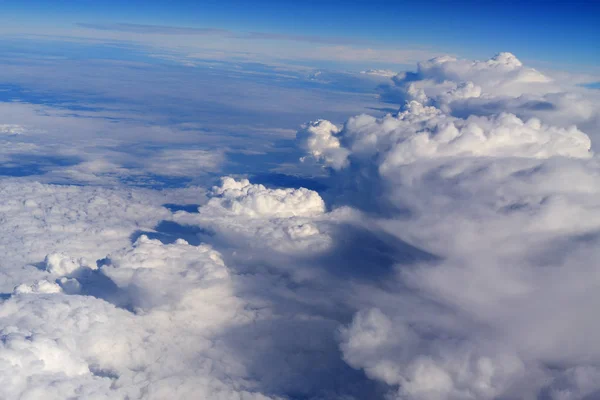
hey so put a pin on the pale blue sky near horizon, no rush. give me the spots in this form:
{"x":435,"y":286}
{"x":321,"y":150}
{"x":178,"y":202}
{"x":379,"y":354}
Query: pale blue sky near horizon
{"x":559,"y":34}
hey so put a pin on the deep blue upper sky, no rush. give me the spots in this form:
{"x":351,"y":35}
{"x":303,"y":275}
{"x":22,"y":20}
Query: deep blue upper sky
{"x":558,"y":32}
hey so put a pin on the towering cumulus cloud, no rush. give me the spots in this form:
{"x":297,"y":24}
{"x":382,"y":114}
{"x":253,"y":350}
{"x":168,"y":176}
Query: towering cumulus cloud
{"x":500,"y":84}
{"x":511,"y":207}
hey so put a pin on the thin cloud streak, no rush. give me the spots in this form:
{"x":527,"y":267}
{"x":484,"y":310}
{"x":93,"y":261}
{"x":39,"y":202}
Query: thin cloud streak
{"x":154,"y":29}
{"x":180,"y":30}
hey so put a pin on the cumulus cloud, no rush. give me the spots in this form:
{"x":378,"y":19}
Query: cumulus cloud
{"x":424,"y":132}
{"x":149,"y":261}
{"x":252,"y":216}
{"x":509,"y":206}
{"x":42,"y":286}
{"x":500,"y":84}
{"x":319,"y":139}
{"x":181,"y":297}
{"x":155,"y":319}
{"x":243,"y":198}
{"x":440,"y":77}
{"x":58,"y":228}
{"x":61,"y":264}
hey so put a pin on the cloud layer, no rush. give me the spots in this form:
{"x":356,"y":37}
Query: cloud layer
{"x":452,"y":256}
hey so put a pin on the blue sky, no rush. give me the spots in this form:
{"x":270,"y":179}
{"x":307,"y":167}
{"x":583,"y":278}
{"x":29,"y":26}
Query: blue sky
{"x":558,"y":32}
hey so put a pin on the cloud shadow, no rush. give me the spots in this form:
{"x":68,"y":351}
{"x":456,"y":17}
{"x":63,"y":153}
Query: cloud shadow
{"x":168,"y":232}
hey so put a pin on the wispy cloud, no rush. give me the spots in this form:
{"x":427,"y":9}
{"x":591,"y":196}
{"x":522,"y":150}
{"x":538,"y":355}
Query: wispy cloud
{"x":181,"y":30}
{"x":297,"y":38}
{"x":190,"y":45}
{"x":153,"y":29}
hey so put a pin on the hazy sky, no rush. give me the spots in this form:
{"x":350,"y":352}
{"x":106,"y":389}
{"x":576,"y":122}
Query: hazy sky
{"x":558,"y":32}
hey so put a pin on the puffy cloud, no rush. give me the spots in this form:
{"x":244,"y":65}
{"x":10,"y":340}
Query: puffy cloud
{"x":183,"y":271}
{"x":422,"y":132}
{"x":61,"y":264}
{"x":510,"y":208}
{"x":82,"y":346}
{"x":249,"y":216}
{"x":245,"y":199}
{"x":163,"y":319}
{"x":442,"y":367}
{"x":40,"y":220}
{"x":500,"y":84}
{"x":448,"y":78}
{"x":319,"y":139}
{"x":442,"y":80}
{"x":42,"y":286}
{"x":374,"y":148}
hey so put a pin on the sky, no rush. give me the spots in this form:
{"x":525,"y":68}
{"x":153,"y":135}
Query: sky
{"x":536,"y":30}
{"x":299,"y":200}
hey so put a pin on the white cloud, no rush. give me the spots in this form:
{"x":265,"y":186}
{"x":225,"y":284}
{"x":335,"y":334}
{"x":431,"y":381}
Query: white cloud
{"x":243,"y":198}
{"x":185,"y":274}
{"x":42,"y":286}
{"x":386,"y":73}
{"x":216,"y":44}
{"x":102,"y":318}
{"x":424,"y":132}
{"x":82,"y":346}
{"x":365,"y":54}
{"x":40,"y":220}
{"x":510,"y":208}
{"x":61,"y":264}
{"x":11,"y":129}
{"x":177,"y":162}
{"x":319,"y":139}
{"x":503,"y":74}
{"x":248,"y":217}
{"x":500,"y":84}
{"x":467,"y":270}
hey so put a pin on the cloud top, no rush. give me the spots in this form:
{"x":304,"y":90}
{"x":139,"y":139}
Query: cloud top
{"x":424,"y":132}
{"x":255,"y":200}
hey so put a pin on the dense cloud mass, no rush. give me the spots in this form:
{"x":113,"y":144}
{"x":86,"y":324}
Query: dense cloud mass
{"x":500,"y":84}
{"x":452,"y":256}
{"x":149,"y":331}
{"x":511,"y":209}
